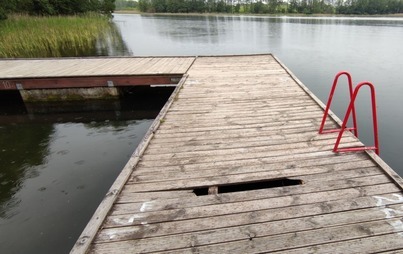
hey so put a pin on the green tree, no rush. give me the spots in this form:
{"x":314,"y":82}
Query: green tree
{"x":258,"y":8}
{"x":3,"y":13}
{"x":293,"y":6}
{"x":221,"y":6}
{"x":237,"y":8}
{"x":42,"y":7}
{"x":273,"y":6}
{"x":144,"y":5}
{"x":197,"y":6}
{"x":158,"y":6}
{"x":107,"y":6}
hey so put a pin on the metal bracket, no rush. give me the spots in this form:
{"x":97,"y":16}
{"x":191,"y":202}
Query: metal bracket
{"x":175,"y":80}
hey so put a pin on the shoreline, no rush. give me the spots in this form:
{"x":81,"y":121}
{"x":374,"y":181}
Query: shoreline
{"x":396,"y":15}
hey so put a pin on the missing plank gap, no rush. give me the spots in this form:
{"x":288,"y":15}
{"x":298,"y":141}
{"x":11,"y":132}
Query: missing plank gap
{"x":268,"y":184}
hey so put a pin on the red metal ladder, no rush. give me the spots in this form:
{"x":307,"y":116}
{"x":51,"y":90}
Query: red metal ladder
{"x":329,"y":102}
{"x":351,"y":110}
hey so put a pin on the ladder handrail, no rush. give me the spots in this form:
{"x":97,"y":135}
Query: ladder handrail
{"x":374,"y":122}
{"x":329,"y":102}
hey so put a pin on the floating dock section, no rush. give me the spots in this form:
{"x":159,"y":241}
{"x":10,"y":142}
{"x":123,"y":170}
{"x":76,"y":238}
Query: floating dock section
{"x":234,"y":164}
{"x":87,"y":78}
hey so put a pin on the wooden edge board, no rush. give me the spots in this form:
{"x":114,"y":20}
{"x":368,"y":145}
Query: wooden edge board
{"x":90,"y":75}
{"x":84,"y":241}
{"x":191,"y":64}
{"x":381,"y":163}
{"x":89,"y":57}
{"x":240,"y":55}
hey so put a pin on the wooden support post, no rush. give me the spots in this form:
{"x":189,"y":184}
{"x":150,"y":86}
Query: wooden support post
{"x":213,"y":190}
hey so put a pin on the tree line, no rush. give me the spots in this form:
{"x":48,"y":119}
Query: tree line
{"x":125,"y":4}
{"x":369,"y":6}
{"x":273,"y":6}
{"x":55,"y":7}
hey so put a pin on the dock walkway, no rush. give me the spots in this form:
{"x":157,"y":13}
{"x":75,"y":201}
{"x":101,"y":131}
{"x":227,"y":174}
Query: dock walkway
{"x":62,"y":73}
{"x":82,"y":67}
{"x":233,"y":121}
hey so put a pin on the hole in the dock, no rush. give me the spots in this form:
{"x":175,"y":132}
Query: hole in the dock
{"x":267,"y":184}
{"x":201,"y":191}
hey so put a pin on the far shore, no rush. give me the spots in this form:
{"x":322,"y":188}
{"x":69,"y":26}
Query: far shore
{"x":397,"y":15}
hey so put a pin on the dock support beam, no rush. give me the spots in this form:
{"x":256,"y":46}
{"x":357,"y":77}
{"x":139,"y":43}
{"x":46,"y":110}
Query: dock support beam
{"x":78,"y":88}
{"x":69,"y":94}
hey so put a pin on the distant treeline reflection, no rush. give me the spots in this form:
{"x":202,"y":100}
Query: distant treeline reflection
{"x":273,"y":6}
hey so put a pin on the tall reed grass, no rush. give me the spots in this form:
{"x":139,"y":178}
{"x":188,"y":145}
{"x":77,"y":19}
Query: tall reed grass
{"x":27,"y":36}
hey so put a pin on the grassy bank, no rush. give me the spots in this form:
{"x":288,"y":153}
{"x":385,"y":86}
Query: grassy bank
{"x":27,"y":36}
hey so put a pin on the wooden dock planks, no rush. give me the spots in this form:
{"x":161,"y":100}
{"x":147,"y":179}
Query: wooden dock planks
{"x":241,"y":119}
{"x":81,"y":67}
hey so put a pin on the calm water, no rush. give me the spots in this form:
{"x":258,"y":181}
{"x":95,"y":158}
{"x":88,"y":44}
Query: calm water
{"x":315,"y":49}
{"x":57,"y":161}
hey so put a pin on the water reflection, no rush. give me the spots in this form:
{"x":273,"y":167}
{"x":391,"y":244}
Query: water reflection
{"x":55,"y":192}
{"x":19,"y":159}
{"x":110,"y":44}
{"x":356,"y":21}
{"x":59,"y":159}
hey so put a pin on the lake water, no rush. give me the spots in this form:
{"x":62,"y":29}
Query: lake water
{"x":58,"y":165}
{"x":58,"y":160}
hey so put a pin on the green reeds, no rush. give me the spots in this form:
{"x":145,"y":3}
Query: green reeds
{"x":27,"y":36}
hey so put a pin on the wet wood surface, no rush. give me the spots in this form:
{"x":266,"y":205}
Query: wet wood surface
{"x":246,"y":119}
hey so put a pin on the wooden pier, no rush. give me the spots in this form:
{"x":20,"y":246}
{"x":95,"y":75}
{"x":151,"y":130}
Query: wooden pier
{"x":230,"y":122}
{"x":90,"y":72}
{"x":87,"y":78}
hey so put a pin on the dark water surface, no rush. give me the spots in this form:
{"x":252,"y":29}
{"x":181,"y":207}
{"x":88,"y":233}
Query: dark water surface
{"x":315,"y":49}
{"x":58,"y":160}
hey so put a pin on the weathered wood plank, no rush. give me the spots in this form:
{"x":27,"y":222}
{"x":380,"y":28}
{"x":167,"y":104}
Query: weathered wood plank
{"x":240,"y":105}
{"x":205,"y":116}
{"x":273,"y":130}
{"x":229,"y":127}
{"x":219,"y":206}
{"x":131,"y":197}
{"x":321,"y":144}
{"x":172,"y":224}
{"x":229,"y":124}
{"x":250,"y":135}
{"x":137,"y":185}
{"x":241,"y":155}
{"x":323,"y":171}
{"x":311,"y":183}
{"x":216,"y":144}
{"x":253,"y":231}
{"x":11,"y":68}
{"x":318,"y":237}
{"x":374,"y":244}
{"x":327,"y":165}
{"x":239,"y":113}
{"x":288,"y":160}
{"x":193,"y":224}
